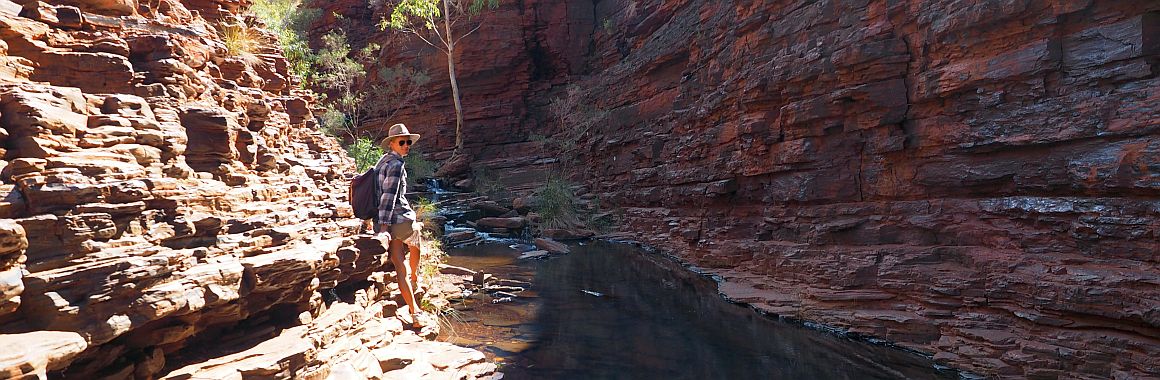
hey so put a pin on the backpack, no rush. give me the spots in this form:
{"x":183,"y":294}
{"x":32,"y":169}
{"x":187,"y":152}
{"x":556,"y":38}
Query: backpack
{"x":365,"y":193}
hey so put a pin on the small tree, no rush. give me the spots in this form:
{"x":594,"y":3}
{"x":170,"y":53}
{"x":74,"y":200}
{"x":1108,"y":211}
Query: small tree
{"x":347,"y":75}
{"x":355,"y":98}
{"x":576,"y":116}
{"x":458,"y":17}
{"x":289,"y":20}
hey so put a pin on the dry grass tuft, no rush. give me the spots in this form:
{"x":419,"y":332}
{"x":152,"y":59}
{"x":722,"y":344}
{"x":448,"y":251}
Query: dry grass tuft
{"x":240,"y":39}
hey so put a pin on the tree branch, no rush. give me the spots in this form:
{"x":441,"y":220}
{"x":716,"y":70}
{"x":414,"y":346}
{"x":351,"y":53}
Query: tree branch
{"x":446,"y":40}
{"x":420,"y":35}
{"x":467,"y":34}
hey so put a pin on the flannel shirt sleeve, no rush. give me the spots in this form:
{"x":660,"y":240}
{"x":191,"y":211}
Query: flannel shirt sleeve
{"x":390,"y":177}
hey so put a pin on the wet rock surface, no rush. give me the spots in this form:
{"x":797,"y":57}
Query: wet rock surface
{"x":169,"y":210}
{"x":972,"y":180}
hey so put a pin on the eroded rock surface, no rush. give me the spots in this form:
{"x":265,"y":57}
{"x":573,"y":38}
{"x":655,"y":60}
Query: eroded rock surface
{"x":975,"y":180}
{"x":164,"y":201}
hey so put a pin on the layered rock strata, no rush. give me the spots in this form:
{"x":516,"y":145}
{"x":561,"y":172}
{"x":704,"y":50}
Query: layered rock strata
{"x":976,"y":180}
{"x":167,"y":200}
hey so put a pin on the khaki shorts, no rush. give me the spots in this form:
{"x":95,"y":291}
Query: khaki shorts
{"x":406,"y":232}
{"x":401,"y":231}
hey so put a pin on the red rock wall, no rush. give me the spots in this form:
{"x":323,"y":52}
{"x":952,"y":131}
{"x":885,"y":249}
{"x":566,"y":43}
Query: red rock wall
{"x":977,"y":180}
{"x":163,"y":200}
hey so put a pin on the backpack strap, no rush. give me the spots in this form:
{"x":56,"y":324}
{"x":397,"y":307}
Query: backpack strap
{"x":382,"y":160}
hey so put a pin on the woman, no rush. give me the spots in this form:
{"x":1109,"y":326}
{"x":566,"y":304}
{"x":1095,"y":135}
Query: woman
{"x":396,"y":216}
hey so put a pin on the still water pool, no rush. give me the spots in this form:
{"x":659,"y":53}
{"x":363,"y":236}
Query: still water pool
{"x":613,"y":311}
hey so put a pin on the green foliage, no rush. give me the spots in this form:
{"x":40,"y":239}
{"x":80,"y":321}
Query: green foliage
{"x":418,"y":167}
{"x":476,"y":6}
{"x":421,"y":14}
{"x":288,"y":20}
{"x":431,"y":253}
{"x":607,"y":25}
{"x":559,"y":207}
{"x":424,"y":208}
{"x":557,"y":204}
{"x":410,"y":12}
{"x":342,"y":71}
{"x":333,"y":121}
{"x":338,"y":70}
{"x":365,"y":153}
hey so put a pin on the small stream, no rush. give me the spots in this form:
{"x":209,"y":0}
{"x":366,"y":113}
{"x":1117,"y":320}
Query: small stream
{"x":613,"y":311}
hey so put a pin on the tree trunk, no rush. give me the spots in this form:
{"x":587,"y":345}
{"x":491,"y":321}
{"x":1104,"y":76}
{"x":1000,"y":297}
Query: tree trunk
{"x":458,"y":104}
{"x":454,"y":83}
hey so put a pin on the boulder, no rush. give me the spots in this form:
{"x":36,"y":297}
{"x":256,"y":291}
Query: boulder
{"x":489,"y":208}
{"x":525,"y":204}
{"x":411,"y":358}
{"x":464,"y":184}
{"x":552,"y":246}
{"x":127,"y":106}
{"x":58,"y":16}
{"x":32,"y":354}
{"x":106,"y":7}
{"x":538,"y":254}
{"x":456,"y":166}
{"x":505,"y":223}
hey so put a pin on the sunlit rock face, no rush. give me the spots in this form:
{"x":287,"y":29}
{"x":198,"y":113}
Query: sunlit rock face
{"x":162,"y":198}
{"x":974,"y":180}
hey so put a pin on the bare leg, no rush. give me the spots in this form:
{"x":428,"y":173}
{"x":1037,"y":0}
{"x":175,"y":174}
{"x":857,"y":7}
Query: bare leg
{"x":396,"y":251}
{"x":414,"y":259}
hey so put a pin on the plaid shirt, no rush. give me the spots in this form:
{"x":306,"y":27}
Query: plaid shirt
{"x":393,"y":205}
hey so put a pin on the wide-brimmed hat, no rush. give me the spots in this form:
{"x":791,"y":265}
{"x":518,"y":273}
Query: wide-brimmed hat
{"x":399,"y":130}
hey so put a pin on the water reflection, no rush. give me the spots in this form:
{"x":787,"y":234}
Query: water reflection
{"x":652,"y":319}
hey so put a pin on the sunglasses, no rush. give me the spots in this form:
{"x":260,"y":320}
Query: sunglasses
{"x":404,"y":142}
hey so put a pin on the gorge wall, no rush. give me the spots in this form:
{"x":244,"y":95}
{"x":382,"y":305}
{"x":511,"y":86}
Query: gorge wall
{"x":170,"y":209}
{"x":977,"y":180}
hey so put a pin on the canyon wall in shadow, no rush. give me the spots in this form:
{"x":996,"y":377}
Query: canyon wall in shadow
{"x":976,"y":180}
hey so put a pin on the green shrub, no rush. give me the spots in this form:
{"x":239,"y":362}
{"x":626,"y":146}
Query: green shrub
{"x":557,"y":204}
{"x":288,"y":20}
{"x":337,"y":69}
{"x":333,"y":122}
{"x":424,"y":208}
{"x":364,"y":152}
{"x":418,"y":167}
